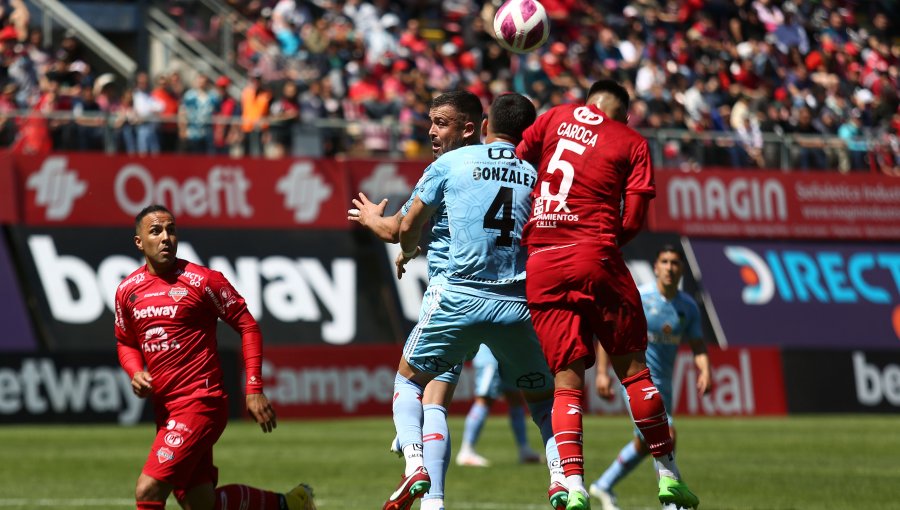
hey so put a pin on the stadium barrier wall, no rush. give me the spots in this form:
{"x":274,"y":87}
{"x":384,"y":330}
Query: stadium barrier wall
{"x":9,"y":203}
{"x":340,"y":381}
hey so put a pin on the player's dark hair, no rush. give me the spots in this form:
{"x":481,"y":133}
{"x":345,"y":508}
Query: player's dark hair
{"x":152,"y":208}
{"x":510,"y":115}
{"x":464,"y":102}
{"x":669,"y":248}
{"x":611,"y":87}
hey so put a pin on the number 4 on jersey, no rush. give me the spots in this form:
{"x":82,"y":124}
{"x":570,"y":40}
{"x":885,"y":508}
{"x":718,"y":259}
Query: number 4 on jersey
{"x":502,"y":207}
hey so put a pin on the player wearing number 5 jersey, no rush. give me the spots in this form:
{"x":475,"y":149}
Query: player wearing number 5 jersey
{"x":590,"y":163}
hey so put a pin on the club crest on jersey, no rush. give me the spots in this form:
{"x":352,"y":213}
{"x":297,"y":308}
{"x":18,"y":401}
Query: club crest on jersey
{"x":164,"y":455}
{"x":177,"y":293}
{"x":584,"y":115}
{"x":173,"y":439}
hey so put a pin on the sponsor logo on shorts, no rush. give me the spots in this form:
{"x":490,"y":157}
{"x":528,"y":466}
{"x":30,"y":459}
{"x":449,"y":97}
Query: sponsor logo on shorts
{"x":177,"y":293}
{"x":532,"y":381}
{"x":173,"y":439}
{"x":164,"y":455}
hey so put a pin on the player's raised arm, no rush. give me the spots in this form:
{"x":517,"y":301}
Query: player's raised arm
{"x":371,"y":215}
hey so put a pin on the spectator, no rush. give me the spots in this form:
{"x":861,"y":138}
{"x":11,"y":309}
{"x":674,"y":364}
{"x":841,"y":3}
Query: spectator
{"x":167,"y":98}
{"x":285,"y":117}
{"x":852,"y":134}
{"x":255,"y":102}
{"x":147,"y":107}
{"x":226,"y":132}
{"x":195,"y":117}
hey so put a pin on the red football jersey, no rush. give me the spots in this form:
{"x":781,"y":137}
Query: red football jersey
{"x":168,"y":323}
{"x":587,"y":164}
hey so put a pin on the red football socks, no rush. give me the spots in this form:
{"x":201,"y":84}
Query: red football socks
{"x":151,"y":505}
{"x":567,"y":430}
{"x":243,"y":497}
{"x":649,"y":412}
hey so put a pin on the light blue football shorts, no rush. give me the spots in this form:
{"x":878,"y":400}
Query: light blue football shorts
{"x":453,"y":324}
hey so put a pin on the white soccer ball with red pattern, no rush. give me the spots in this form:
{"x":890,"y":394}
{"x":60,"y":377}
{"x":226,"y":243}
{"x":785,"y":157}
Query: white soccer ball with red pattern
{"x":521,"y":26}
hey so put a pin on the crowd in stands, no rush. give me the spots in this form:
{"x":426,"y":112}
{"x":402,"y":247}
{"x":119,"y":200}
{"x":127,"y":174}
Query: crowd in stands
{"x":714,"y":82}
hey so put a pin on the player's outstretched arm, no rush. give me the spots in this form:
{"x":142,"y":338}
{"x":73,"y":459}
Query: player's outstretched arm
{"x":701,"y":360}
{"x":371,"y":215}
{"x":261,"y":410}
{"x":411,"y":231}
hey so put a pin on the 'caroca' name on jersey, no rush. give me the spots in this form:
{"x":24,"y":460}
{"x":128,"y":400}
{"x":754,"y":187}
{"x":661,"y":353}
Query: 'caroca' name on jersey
{"x":155,"y":311}
{"x":576,"y":132}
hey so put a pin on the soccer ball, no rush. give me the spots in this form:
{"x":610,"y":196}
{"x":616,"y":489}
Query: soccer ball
{"x":521,"y":26}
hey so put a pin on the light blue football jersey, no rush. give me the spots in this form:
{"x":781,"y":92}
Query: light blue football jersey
{"x":483,"y":197}
{"x":668,"y":323}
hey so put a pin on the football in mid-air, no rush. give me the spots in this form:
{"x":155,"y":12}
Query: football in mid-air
{"x":521,"y":26}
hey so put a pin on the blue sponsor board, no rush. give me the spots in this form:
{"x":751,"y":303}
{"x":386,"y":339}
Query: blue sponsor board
{"x":803,"y":295}
{"x":18,"y":335}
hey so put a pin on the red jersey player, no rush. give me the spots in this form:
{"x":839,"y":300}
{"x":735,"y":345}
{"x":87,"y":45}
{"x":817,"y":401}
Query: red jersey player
{"x":590,"y":163}
{"x":166,"y":315}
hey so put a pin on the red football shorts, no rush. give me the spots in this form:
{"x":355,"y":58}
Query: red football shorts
{"x":182,"y":454}
{"x":580,"y":291}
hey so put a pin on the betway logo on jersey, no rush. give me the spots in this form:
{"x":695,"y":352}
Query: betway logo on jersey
{"x":223,"y":192}
{"x":56,"y":187}
{"x":288,"y":289}
{"x":41,"y":388}
{"x":150,"y":312}
{"x":823,"y":276}
{"x":753,"y":198}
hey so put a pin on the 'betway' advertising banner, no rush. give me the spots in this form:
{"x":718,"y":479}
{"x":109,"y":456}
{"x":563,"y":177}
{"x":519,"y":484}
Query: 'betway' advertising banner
{"x":839,"y":381}
{"x":804,"y":295}
{"x":18,"y":334}
{"x":92,"y":190}
{"x":776,"y":204}
{"x":74,"y":387}
{"x":313,"y":287}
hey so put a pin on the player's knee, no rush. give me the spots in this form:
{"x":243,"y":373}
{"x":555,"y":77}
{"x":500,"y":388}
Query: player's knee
{"x":151,"y":489}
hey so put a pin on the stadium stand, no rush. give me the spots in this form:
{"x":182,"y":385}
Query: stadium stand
{"x":790,"y":84}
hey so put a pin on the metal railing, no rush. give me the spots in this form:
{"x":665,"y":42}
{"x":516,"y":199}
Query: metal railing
{"x":278,"y":137}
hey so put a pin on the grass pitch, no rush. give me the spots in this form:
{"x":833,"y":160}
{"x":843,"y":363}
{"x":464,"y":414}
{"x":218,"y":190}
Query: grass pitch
{"x":810,"y":462}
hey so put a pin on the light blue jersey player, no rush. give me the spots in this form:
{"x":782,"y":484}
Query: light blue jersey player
{"x":478,"y":199}
{"x":672,"y":317}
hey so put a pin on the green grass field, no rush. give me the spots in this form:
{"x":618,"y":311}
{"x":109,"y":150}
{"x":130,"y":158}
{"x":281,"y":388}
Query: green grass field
{"x":815,"y":462}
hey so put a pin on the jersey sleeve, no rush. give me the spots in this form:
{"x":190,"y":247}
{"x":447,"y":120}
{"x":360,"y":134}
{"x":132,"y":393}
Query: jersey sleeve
{"x":693,"y":331}
{"x":231,"y":308}
{"x":640,"y":174}
{"x":430,"y":188}
{"x":128,"y":347}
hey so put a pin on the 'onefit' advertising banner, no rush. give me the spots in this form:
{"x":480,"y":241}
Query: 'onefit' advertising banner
{"x":803,"y":295}
{"x":9,"y":208}
{"x":775,"y":204}
{"x":92,"y":190}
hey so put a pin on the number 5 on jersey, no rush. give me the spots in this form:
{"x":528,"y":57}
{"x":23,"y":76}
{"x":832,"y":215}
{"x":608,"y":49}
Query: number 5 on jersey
{"x":568,"y":175}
